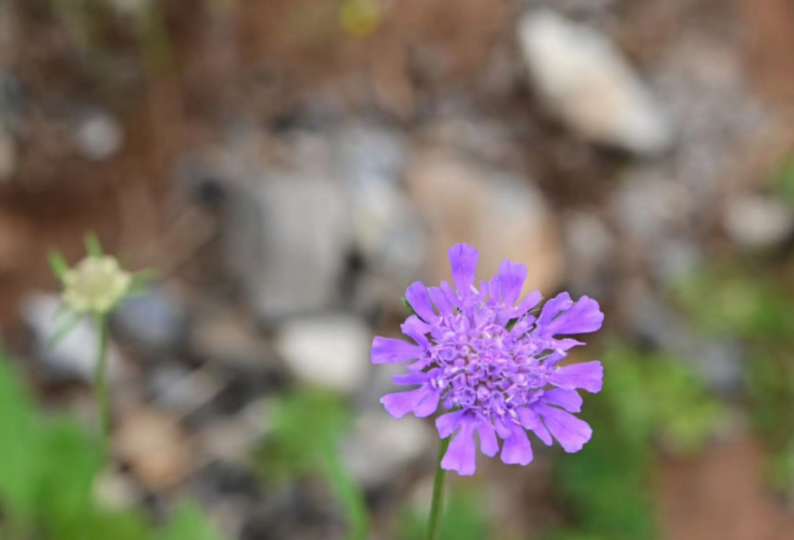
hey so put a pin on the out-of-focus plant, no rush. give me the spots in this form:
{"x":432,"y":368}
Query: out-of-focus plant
{"x":464,"y":518}
{"x":47,"y":469}
{"x":94,"y":288}
{"x":307,"y":430}
{"x":755,"y":301}
{"x":650,"y":398}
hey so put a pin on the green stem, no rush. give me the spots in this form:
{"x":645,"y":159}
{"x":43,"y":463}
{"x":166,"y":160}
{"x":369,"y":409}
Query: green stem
{"x":346,"y":491}
{"x":101,"y":384}
{"x":437,"y":505}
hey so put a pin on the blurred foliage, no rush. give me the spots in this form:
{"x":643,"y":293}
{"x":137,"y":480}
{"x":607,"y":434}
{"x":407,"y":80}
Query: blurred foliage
{"x":646,"y":398}
{"x":47,"y":473}
{"x":754,"y":300}
{"x":464,"y":518}
{"x":784,"y":180}
{"x":308,"y":427}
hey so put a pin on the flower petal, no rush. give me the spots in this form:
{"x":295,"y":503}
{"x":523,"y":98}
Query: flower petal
{"x":517,"y":450}
{"x":390,"y":351}
{"x":461,"y":454}
{"x":583,"y":317}
{"x":509,"y":281}
{"x":416,"y":329}
{"x":488,"y":443}
{"x":463,"y":259}
{"x":529,"y":419}
{"x":418,"y":401}
{"x":441,"y":301}
{"x":409,"y":379}
{"x":417,"y":296}
{"x":571,"y":432}
{"x":448,"y":423}
{"x":587,"y":376}
{"x":554,"y":307}
{"x":570,"y":400}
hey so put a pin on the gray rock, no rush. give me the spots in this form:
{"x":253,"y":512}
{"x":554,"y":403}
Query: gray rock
{"x":286,"y":231}
{"x":590,"y":86}
{"x":76,"y":354}
{"x":98,"y":135}
{"x":155,"y":320}
{"x":381,"y":446}
{"x":387,"y":228}
{"x":758,"y":221}
{"x":330,"y":351}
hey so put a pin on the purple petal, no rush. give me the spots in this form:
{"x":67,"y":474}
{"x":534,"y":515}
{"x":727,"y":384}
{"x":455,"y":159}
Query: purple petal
{"x":570,"y":400}
{"x":529,"y":419}
{"x":571,"y":432}
{"x":583,"y":317}
{"x":416,"y":401}
{"x":516,"y":449}
{"x":390,"y":351}
{"x":461,"y":454}
{"x":441,"y":301}
{"x":450,"y":293}
{"x":587,"y":376}
{"x":448,"y":423}
{"x":510,"y":279}
{"x":417,"y":296}
{"x":554,"y":307}
{"x":428,"y":404}
{"x":409,"y":379}
{"x":415,"y":328}
{"x":488,"y":443}
{"x":463,"y":259}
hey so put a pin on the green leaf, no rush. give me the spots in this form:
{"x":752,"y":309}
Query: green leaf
{"x":92,"y":245}
{"x":58,"y":264}
{"x":189,"y":522}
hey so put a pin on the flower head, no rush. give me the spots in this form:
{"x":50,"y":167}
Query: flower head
{"x":95,"y":285}
{"x":481,"y":355}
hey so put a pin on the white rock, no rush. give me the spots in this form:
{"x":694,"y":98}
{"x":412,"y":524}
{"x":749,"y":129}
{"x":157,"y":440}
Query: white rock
{"x":758,"y":221}
{"x":98,"y":136}
{"x":382,"y":446}
{"x":586,"y":81}
{"x":75,"y":354}
{"x":329,"y":351}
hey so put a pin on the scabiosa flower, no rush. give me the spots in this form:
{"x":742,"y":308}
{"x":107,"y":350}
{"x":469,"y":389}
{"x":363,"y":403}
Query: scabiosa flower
{"x":493,"y":366}
{"x":95,"y":285}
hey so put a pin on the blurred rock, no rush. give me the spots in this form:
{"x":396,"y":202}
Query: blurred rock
{"x":649,"y":209}
{"x":590,"y":246}
{"x":758,"y":221}
{"x":387,"y":227}
{"x":183,"y":391}
{"x":233,"y":439}
{"x":154,"y":321}
{"x":8,"y":154}
{"x":75,"y":354}
{"x":382,"y":446}
{"x":587,"y":82}
{"x":287,"y":230}
{"x":155,"y":448}
{"x":98,"y":135}
{"x":500,"y":213}
{"x":331,"y":351}
{"x":116,"y":490}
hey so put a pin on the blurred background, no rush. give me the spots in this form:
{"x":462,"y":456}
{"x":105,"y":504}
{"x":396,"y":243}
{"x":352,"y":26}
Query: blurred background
{"x":288,"y":167}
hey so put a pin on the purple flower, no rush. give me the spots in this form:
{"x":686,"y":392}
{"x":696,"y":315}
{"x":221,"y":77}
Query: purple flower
{"x":494,"y":366}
